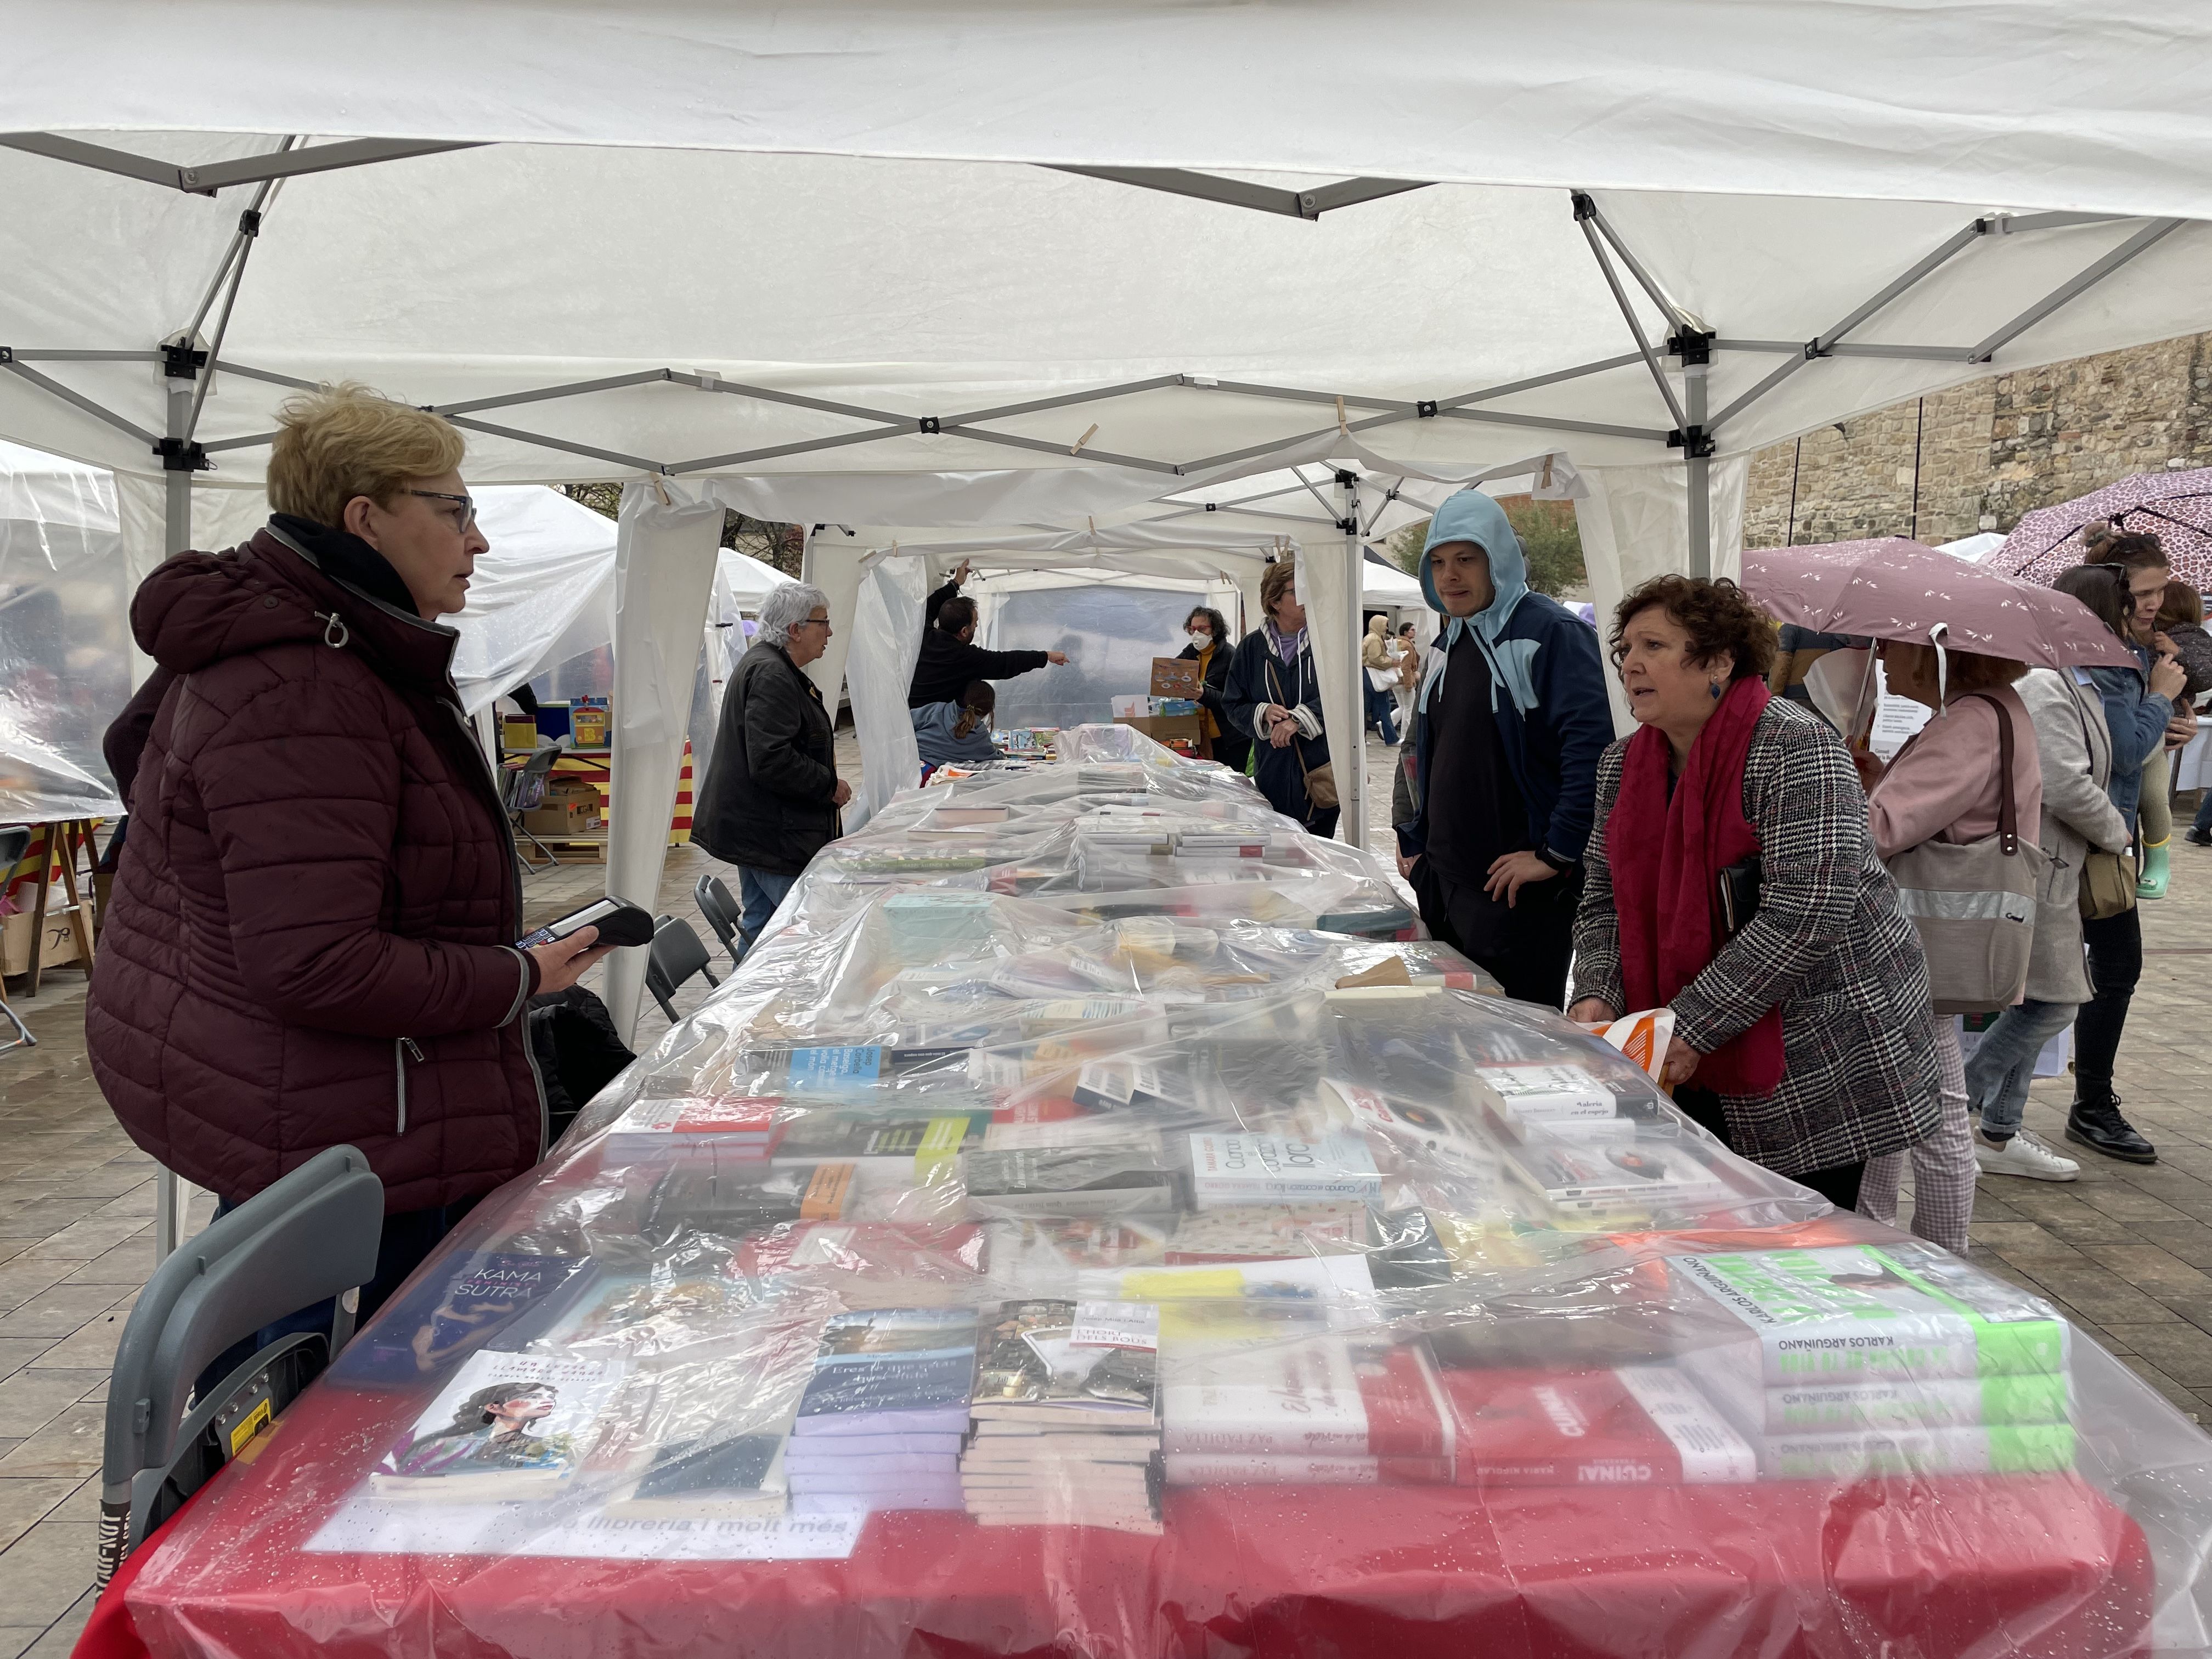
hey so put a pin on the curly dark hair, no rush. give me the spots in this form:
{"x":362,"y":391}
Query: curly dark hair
{"x":1214,"y":620}
{"x":1717,"y":615}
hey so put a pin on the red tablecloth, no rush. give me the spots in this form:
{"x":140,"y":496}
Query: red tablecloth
{"x":2016,"y":1566}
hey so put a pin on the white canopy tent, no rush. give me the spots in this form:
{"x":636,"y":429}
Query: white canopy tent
{"x":894,"y":574}
{"x":1135,"y":287}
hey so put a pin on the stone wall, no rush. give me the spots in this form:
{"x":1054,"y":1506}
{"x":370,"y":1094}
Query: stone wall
{"x":1988,"y":452}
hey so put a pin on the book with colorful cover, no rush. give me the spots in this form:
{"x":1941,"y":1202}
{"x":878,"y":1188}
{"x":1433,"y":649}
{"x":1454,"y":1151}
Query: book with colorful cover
{"x":509,"y":1428}
{"x":1633,"y":1426}
{"x":2010,"y":1449}
{"x":891,"y":1371}
{"x":482,"y":1298}
{"x":1318,"y":1396}
{"x":1089,"y":1181}
{"x":1030,"y":1369}
{"x":748,"y":1126}
{"x":1758,"y":1408}
{"x":1860,"y":1311}
{"x":1638,"y":1176}
{"x":1259,"y":1232}
{"x":1261,"y":1169}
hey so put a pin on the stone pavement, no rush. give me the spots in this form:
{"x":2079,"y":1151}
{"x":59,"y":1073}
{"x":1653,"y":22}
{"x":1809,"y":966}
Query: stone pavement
{"x":2126,"y":1251}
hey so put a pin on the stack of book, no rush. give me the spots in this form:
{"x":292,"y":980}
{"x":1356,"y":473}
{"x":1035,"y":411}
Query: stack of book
{"x":1321,"y":1409}
{"x":1632,"y":1425}
{"x":1255,"y":1169}
{"x":880,"y":1424}
{"x":1856,"y":1360}
{"x":930,"y":927}
{"x":1068,"y":1431}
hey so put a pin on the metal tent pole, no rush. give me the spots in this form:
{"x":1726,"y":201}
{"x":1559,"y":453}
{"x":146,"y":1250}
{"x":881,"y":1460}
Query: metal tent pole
{"x":171,"y":1195}
{"x":1698,"y":453}
{"x":1350,"y":756}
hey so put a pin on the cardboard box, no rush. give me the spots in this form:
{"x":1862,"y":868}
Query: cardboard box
{"x":1176,"y":676}
{"x":59,"y":949}
{"x":1176,"y":731}
{"x":569,"y":809}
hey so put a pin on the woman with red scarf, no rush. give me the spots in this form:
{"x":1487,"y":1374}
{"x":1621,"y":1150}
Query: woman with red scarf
{"x":1803,"y":1034}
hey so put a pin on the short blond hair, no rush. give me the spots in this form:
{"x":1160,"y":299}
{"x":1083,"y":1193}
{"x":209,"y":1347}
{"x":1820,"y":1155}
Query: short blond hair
{"x":1276,"y":581}
{"x":339,"y":441}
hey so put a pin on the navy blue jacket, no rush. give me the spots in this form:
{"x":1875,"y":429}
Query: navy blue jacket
{"x":1547,"y":690}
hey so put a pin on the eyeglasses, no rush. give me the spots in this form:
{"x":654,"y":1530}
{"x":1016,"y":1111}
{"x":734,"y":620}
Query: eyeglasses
{"x":468,"y":520}
{"x":813,"y":621}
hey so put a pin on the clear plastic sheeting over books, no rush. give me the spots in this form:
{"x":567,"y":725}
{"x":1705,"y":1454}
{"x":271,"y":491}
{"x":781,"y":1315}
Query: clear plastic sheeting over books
{"x":1095,"y":1222}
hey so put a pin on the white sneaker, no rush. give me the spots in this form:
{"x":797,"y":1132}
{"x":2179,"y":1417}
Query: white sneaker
{"x":2022,"y":1155}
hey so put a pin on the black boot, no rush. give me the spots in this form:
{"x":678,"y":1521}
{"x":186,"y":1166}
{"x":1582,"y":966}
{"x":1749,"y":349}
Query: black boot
{"x":2095,"y":1122}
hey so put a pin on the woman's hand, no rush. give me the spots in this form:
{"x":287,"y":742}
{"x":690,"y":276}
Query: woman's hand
{"x":1681,"y":1064}
{"x":1282,"y":726}
{"x":2179,"y":729}
{"x":2167,"y":677}
{"x":1870,"y":768}
{"x":1592,"y":1011}
{"x":562,"y":962}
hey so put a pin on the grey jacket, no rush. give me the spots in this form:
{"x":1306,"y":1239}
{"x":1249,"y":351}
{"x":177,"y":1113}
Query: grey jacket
{"x":1828,"y":945}
{"x":2075,"y":748}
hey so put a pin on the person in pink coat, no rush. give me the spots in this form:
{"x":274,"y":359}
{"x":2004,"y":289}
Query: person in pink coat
{"x":1946,"y":785}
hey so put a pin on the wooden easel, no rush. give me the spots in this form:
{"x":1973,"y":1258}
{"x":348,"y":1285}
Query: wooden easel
{"x":74,"y":837}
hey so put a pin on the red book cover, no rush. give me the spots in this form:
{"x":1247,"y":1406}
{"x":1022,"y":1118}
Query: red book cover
{"x":917,"y":1249}
{"x":1638,"y":1425}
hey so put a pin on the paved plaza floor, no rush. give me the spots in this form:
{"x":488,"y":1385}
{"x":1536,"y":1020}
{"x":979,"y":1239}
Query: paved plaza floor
{"x":2126,"y":1250}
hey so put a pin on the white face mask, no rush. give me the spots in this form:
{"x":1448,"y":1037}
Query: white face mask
{"x":1201,"y":640}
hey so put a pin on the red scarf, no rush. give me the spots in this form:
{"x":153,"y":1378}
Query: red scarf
{"x":1666,"y":887}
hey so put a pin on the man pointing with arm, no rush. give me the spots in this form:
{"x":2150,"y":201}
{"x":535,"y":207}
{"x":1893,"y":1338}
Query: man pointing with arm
{"x":951,"y":659}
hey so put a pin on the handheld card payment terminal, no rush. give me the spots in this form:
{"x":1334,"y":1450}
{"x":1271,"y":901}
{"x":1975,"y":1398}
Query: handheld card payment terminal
{"x":619,"y":922}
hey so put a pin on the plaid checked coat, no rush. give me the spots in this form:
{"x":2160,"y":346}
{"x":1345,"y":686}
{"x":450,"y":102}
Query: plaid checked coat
{"x":1828,"y":944}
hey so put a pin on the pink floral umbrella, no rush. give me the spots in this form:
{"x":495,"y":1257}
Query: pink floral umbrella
{"x":1894,"y":589}
{"x":2175,"y":507}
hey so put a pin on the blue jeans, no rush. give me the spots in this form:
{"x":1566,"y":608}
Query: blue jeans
{"x":761,"y":892}
{"x":2002,"y":1064}
{"x":1382,"y":708}
{"x":2204,"y":825}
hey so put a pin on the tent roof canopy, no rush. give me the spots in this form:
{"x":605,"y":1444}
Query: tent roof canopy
{"x":1494,"y":321}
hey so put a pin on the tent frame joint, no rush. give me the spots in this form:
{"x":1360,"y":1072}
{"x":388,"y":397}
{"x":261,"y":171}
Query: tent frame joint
{"x":1696,"y":443}
{"x":1692,"y":345}
{"x":181,"y":359}
{"x":930,"y":424}
{"x":1425,"y":409}
{"x":182,"y":455}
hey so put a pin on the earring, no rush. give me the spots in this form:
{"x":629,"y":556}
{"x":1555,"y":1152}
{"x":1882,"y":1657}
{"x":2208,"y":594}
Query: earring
{"x":1715,"y":687}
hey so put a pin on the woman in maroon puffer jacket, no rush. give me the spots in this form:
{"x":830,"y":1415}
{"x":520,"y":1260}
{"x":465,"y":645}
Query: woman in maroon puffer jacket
{"x":311,"y":938}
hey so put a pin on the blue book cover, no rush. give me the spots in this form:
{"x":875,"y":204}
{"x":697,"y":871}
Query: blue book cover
{"x":893,"y":1359}
{"x":449,"y":1315}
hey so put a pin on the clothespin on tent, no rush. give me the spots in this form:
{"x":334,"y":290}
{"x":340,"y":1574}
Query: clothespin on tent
{"x":1341,"y":425}
{"x":660,"y":489}
{"x":1076,"y":448}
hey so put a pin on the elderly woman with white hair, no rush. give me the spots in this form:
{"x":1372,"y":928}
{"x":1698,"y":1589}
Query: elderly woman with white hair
{"x":772,"y":792}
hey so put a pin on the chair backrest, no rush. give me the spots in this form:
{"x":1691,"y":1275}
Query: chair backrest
{"x":14,"y":843}
{"x":677,"y":954}
{"x":720,"y":910}
{"x":310,"y":1237}
{"x":527,"y":785}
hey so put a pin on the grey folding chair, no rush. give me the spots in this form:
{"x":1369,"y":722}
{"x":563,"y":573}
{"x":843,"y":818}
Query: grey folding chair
{"x":723,"y":914}
{"x":678,"y":953}
{"x":525,"y":788}
{"x":14,"y":843}
{"x":311,"y":1237}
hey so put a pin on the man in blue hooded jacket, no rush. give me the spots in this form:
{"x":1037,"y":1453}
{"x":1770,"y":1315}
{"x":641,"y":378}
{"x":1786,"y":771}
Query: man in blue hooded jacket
{"x":1502,"y":769}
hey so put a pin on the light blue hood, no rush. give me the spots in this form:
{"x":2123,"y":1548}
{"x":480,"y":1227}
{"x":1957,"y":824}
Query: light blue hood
{"x":1471,"y":516}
